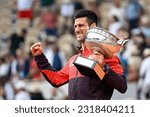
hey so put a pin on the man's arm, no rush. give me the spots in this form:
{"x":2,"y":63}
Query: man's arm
{"x":55,"y":78}
{"x":116,"y":81}
{"x":114,"y":76}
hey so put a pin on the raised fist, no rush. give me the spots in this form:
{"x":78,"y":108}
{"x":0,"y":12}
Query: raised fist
{"x":36,"y":49}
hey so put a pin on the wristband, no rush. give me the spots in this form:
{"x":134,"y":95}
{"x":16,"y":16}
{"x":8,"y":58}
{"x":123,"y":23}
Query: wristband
{"x":106,"y":68}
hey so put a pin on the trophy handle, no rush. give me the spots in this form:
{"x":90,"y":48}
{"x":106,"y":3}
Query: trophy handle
{"x":122,"y":41}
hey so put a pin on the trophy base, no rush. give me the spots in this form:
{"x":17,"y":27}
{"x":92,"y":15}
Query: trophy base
{"x":89,"y":67}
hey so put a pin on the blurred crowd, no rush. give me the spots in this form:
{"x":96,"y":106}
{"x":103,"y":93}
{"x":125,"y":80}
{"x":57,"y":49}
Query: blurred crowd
{"x":24,"y":22}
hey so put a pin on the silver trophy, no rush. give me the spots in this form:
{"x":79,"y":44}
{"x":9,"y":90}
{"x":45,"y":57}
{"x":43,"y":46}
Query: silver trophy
{"x":102,"y":41}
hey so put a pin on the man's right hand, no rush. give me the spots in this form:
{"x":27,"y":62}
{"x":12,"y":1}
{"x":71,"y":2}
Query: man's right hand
{"x":97,"y":56}
{"x":36,"y":49}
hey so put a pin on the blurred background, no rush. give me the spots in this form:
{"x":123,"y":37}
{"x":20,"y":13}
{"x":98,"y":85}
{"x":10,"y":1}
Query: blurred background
{"x":24,"y":22}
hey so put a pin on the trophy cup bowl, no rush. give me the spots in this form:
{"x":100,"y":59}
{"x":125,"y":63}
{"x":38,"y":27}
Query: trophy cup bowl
{"x":102,"y":41}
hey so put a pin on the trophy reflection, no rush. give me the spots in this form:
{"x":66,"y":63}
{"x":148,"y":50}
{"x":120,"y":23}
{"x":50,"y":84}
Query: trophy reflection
{"x":103,"y":42}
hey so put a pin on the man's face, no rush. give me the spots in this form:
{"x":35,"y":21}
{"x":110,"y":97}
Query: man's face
{"x":81,"y":26}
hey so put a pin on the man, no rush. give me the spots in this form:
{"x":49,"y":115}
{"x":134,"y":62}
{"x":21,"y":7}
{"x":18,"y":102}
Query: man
{"x":83,"y":87}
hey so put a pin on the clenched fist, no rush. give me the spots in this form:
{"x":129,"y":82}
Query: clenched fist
{"x":36,"y":49}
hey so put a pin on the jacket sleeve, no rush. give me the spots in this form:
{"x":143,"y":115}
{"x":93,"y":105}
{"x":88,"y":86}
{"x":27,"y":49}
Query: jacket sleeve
{"x":115,"y":76}
{"x":116,"y":81}
{"x":55,"y":78}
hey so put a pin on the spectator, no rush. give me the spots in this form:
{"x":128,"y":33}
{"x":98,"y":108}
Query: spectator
{"x":17,"y":40}
{"x":134,"y":11}
{"x":114,"y":25}
{"x":24,"y":9}
{"x":1,"y":92}
{"x":49,"y":20}
{"x":34,"y":72}
{"x":144,"y":81}
{"x":46,"y":3}
{"x":4,"y":68}
{"x":117,"y":9}
{"x":22,"y":64}
{"x":55,"y":55}
{"x":78,"y":5}
{"x":20,"y":90}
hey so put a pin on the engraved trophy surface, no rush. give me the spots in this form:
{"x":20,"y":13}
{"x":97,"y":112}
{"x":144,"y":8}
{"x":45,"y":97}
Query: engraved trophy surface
{"x":102,"y":41}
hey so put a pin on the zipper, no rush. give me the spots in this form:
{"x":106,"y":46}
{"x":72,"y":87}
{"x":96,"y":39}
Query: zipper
{"x":76,"y":80}
{"x":75,"y":86}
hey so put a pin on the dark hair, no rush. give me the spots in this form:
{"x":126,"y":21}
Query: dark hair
{"x":90,"y":15}
{"x":116,"y":18}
